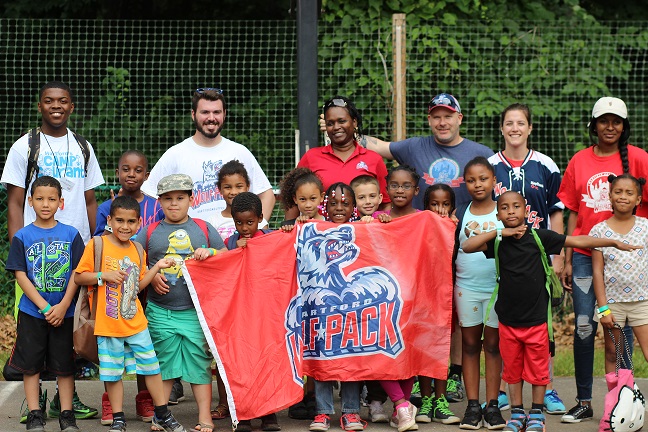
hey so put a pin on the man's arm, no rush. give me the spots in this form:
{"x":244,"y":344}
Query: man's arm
{"x":379,"y":146}
{"x":15,"y":209}
{"x":91,"y":209}
{"x":267,"y":203}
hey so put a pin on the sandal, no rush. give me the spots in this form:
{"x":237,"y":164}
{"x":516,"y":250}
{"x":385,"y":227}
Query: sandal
{"x":204,"y":427}
{"x":220,"y":412}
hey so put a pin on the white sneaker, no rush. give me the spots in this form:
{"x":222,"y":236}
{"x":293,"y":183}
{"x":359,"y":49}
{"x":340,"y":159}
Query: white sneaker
{"x":406,"y":418}
{"x":377,"y":412}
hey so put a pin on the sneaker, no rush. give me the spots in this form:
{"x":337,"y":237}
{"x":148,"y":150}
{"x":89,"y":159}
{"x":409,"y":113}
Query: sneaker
{"x":269,"y":423}
{"x":455,"y":389}
{"x":441,"y":412}
{"x":144,"y":407}
{"x":81,"y":410}
{"x":493,"y":419}
{"x":425,"y":411}
{"x":177,"y":393}
{"x":553,"y":404}
{"x":168,"y":423}
{"x":518,"y":421}
{"x":117,"y":426}
{"x":415,"y":397}
{"x":322,"y":422}
{"x":578,"y":413}
{"x":42,"y":404}
{"x":536,"y":422}
{"x":352,"y":422}
{"x":502,"y":402}
{"x":377,"y":412}
{"x":35,"y":421}
{"x":406,"y":418}
{"x":472,"y":418}
{"x":106,"y":410}
{"x":393,"y":422}
{"x":298,"y":411}
{"x":67,"y":421}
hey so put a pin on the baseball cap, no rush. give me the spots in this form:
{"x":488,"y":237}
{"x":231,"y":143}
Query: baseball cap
{"x":175,"y":182}
{"x":445,"y":100}
{"x":610,"y":105}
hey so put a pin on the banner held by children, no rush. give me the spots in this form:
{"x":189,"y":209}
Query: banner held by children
{"x":311,"y":302}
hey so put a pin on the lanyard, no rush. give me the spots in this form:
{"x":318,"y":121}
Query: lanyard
{"x":67,"y":154}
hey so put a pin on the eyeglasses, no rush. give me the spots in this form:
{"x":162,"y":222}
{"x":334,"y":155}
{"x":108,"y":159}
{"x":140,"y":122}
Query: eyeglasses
{"x":405,"y":187}
{"x":335,"y":102}
{"x":205,"y":89}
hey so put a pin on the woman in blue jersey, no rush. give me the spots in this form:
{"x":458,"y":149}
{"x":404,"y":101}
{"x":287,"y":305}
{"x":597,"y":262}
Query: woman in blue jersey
{"x":537,"y":177}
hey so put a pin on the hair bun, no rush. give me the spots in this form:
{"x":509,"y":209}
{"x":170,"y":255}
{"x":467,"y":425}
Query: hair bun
{"x":611,"y":178}
{"x":642,"y":181}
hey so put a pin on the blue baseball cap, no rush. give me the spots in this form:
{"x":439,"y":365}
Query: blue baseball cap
{"x":445,"y":100}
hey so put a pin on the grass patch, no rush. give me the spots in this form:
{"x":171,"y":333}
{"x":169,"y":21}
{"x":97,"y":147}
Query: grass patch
{"x":564,"y":362}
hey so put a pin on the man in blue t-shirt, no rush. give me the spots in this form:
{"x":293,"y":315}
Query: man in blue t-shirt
{"x":439,"y":158}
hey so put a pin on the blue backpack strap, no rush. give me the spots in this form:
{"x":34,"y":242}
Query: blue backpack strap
{"x":231,"y":241}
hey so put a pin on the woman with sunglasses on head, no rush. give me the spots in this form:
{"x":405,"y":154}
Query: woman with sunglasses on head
{"x":585,"y":191}
{"x":345,"y":159}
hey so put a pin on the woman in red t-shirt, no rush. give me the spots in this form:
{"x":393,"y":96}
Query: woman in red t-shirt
{"x":585,"y":192}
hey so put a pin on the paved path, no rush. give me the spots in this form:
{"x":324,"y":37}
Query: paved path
{"x":11,"y":397}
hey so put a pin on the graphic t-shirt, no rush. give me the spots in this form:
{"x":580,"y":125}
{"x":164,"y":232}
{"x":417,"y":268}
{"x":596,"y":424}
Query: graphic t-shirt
{"x":437,"y":163}
{"x":178,"y":242}
{"x":61,"y":158}
{"x":475,"y":272}
{"x":585,"y":188}
{"x":625,"y":272}
{"x":203,"y":164}
{"x":119,"y":312}
{"x":48,"y":256}
{"x":150,"y":212}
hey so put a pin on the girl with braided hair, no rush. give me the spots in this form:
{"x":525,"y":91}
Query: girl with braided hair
{"x":585,"y":192}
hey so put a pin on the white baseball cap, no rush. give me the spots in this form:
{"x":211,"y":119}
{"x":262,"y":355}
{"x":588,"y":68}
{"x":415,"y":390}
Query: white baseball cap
{"x":610,"y":105}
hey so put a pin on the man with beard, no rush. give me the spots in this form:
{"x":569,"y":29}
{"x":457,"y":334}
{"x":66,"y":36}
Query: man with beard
{"x":202,"y":155}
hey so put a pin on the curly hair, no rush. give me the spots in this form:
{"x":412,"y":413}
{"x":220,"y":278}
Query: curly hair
{"x":408,"y":169}
{"x":46,"y":181}
{"x":231,"y":168}
{"x":126,"y":203}
{"x":247,"y":201}
{"x":293,"y":181}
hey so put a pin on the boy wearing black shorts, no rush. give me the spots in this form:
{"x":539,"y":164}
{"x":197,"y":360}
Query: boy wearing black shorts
{"x":42,"y":256}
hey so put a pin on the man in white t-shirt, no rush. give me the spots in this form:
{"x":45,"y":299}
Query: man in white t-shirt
{"x":61,"y":157}
{"x":202,"y":155}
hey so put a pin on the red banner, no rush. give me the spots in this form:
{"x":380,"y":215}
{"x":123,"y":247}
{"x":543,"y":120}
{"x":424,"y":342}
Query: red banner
{"x":335,"y":302}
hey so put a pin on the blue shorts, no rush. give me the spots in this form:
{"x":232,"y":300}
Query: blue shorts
{"x":472,"y":307}
{"x":132,"y":353}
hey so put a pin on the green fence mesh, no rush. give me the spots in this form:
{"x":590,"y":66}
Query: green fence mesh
{"x":133,"y":80}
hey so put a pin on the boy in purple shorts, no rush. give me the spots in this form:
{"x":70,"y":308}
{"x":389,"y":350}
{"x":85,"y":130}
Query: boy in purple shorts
{"x":523,"y":302}
{"x":42,"y":256}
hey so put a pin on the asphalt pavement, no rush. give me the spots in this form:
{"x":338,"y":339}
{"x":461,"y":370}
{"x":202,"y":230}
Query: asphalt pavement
{"x":11,"y":398}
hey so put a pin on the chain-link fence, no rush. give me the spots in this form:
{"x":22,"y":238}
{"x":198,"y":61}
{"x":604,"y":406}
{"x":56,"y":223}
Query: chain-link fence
{"x":133,"y":80}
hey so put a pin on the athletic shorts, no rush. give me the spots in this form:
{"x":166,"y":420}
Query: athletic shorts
{"x":40,"y":346}
{"x":635,"y":314}
{"x":525,"y":354}
{"x":472,"y":307}
{"x":180,"y":343}
{"x":133,"y":354}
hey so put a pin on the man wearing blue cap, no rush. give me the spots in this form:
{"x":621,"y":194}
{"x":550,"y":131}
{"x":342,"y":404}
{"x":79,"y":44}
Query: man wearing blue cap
{"x":439,"y":158}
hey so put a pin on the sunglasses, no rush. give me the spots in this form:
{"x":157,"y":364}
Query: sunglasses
{"x":335,"y":102}
{"x":206,"y":89}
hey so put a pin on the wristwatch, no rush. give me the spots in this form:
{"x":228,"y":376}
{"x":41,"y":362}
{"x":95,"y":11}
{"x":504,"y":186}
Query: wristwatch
{"x":99,"y":280}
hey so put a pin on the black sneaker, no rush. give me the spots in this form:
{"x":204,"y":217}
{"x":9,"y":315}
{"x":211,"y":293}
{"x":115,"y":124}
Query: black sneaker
{"x":168,"y":423}
{"x":472,"y":418}
{"x":67,"y":421}
{"x":118,"y":425}
{"x":493,"y":419}
{"x":35,"y":421}
{"x":578,"y":413}
{"x":177,"y":393}
{"x":42,"y":404}
{"x":244,"y":426}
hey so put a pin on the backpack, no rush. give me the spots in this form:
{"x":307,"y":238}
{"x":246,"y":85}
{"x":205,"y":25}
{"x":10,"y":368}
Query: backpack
{"x":151,"y":227}
{"x":85,"y":341}
{"x":231,"y":241}
{"x":34,"y":151}
{"x":552,"y":283}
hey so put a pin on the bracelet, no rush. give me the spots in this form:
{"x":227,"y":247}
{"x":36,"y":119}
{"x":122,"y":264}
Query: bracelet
{"x":499,"y":234}
{"x":602,"y":309}
{"x":212,"y":251}
{"x":604,"y":313}
{"x":99,"y":280}
{"x":45,"y":309}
